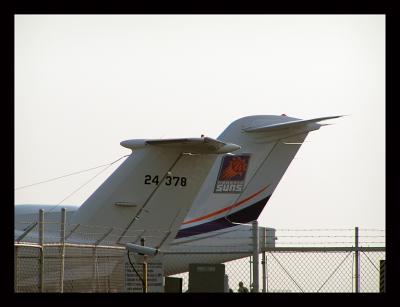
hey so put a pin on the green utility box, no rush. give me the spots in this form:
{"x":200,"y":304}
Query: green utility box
{"x":205,"y":277}
{"x":173,"y":285}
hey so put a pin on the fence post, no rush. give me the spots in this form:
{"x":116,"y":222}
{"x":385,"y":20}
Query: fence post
{"x":41,"y":243}
{"x":62,"y":239}
{"x":357,"y":262}
{"x":16,"y":268}
{"x":264,"y":271}
{"x":94,"y":281}
{"x":251,"y":268}
{"x":256,"y":250}
{"x":144,"y":269}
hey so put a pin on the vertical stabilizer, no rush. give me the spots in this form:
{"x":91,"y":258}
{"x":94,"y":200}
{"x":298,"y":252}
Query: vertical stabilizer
{"x":150,"y":193}
{"x":239,"y":185}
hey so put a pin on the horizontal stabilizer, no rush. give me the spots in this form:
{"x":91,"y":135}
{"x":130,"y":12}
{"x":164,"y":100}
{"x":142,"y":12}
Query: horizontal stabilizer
{"x":286,"y":125}
{"x":203,"y":145}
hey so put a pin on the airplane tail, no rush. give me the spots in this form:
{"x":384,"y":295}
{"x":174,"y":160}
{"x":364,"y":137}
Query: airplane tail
{"x":150,"y":193}
{"x":239,"y":185}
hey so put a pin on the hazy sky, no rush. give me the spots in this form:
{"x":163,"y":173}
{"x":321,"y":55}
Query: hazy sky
{"x":83,"y":83}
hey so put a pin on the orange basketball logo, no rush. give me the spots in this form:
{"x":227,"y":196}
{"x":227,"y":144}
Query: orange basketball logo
{"x":237,"y":167}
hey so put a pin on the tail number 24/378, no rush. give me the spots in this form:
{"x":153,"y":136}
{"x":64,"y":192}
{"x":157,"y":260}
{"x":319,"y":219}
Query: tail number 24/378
{"x":169,"y":180}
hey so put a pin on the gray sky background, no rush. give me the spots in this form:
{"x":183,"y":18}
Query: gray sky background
{"x":83,"y":83}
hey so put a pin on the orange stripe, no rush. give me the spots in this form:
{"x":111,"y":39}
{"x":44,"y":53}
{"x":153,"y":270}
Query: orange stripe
{"x":226,"y":208}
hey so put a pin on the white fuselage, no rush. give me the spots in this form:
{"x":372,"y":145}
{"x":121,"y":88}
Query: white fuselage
{"x":212,"y":247}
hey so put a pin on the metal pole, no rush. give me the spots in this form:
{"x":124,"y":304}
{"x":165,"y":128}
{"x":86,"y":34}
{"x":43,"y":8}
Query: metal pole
{"x":144,"y":269}
{"x":264,"y":272}
{"x":266,"y":266}
{"x":16,"y":272}
{"x":41,"y":242}
{"x":94,"y":281}
{"x":62,"y":240}
{"x":256,"y":250}
{"x":357,"y":262}
{"x":250,"y":262}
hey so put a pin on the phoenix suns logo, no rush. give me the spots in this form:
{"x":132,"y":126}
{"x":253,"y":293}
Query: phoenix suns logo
{"x":232,"y":174}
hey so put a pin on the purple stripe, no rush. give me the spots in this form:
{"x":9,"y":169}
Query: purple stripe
{"x":245,"y":215}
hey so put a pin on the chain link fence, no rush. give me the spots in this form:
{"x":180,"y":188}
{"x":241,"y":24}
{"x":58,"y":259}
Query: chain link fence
{"x":68,"y":268}
{"x":292,"y":267}
{"x":298,"y":270}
